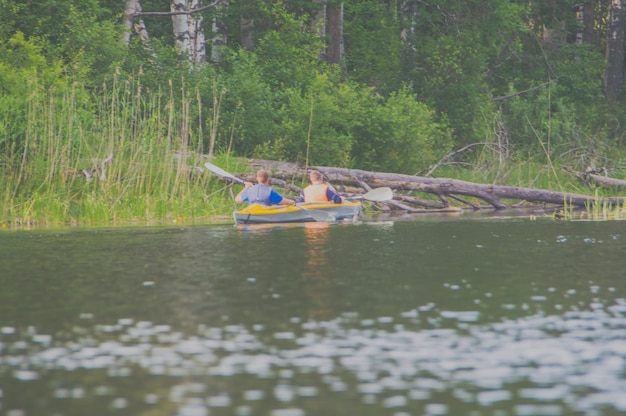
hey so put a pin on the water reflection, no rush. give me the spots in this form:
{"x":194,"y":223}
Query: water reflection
{"x":388,"y":362}
{"x":384,"y":318}
{"x":316,"y":273}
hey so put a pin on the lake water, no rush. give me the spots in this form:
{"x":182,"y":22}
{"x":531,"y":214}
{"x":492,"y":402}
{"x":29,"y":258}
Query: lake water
{"x":424,"y":316}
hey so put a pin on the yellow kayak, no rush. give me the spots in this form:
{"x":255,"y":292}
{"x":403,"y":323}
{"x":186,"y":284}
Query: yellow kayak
{"x":303,"y":212}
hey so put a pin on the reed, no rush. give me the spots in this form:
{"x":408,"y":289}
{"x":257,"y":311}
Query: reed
{"x":603,"y":211}
{"x":592,"y":211}
{"x":55,"y":166}
{"x":59,"y":170}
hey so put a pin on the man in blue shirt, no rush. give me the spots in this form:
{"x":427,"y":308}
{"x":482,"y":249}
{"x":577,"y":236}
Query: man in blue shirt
{"x":262,"y":193}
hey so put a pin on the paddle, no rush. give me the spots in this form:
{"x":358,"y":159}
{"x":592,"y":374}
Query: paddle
{"x":317,"y":215}
{"x":375,"y":195}
{"x":221,"y":172}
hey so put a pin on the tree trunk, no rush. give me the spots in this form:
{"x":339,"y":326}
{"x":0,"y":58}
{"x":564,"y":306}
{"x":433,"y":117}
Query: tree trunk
{"x":336,"y":51}
{"x":246,"y":27}
{"x":132,"y":6}
{"x":598,"y":177}
{"x":219,"y":37}
{"x":408,"y":33}
{"x":588,"y":22}
{"x":180,"y":24}
{"x":188,"y":32}
{"x":605,"y":182}
{"x":615,"y":51}
{"x":196,"y":34}
{"x":318,"y":25}
{"x":130,"y":22}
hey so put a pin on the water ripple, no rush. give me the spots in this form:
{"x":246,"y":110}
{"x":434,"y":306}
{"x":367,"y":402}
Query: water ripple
{"x":576,"y":360}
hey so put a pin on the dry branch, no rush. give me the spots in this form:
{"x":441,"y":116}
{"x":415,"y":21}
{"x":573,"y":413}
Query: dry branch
{"x":98,"y":168}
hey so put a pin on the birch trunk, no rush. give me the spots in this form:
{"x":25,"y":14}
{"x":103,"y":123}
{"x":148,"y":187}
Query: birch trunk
{"x":615,"y":51}
{"x":196,"y":34}
{"x":130,"y":22}
{"x":132,"y":8}
{"x":180,"y":23}
{"x":188,"y":32}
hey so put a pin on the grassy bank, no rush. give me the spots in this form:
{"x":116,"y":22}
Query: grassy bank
{"x":57,"y":167}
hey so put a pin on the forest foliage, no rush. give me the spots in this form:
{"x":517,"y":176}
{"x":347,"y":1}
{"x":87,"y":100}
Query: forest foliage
{"x":418,"y":80}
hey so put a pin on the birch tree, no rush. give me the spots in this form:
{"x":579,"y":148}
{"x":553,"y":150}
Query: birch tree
{"x":198,"y":37}
{"x":188,"y":32}
{"x":180,"y":24}
{"x":132,"y":9}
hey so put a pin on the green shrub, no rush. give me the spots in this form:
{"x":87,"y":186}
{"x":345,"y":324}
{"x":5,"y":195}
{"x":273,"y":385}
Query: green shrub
{"x":400,"y":135}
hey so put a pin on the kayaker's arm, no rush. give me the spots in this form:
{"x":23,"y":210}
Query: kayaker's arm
{"x":333,"y":196}
{"x":287,"y":201}
{"x":239,"y":197}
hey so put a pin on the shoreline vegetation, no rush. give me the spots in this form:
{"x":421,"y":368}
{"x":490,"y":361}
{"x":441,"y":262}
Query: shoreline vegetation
{"x":109,"y":113}
{"x":134,"y":158}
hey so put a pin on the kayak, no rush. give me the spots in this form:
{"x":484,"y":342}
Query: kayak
{"x":304,"y":212}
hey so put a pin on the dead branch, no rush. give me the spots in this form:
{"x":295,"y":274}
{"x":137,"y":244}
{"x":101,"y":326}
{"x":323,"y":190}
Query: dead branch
{"x":90,"y":173}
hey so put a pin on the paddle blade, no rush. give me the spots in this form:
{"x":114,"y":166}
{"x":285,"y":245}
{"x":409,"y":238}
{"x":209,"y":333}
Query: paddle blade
{"x":318,"y":215}
{"x":221,"y":172}
{"x":378,"y":194}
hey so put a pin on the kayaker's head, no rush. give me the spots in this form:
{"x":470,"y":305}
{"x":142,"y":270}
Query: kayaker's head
{"x":316,"y":177}
{"x":263,"y":177}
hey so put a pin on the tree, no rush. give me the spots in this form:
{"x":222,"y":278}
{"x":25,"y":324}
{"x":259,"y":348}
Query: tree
{"x":188,"y":32}
{"x":614,"y":78}
{"x":318,"y":23}
{"x":133,"y":7}
{"x":219,"y":33}
{"x":335,"y":53}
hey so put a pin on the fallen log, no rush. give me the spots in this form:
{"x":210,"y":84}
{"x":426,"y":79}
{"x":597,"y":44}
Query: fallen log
{"x":606,"y":182}
{"x":495,"y":196}
{"x":598,"y":177}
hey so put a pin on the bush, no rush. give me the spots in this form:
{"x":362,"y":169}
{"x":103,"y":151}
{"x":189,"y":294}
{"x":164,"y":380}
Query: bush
{"x":399,"y":135}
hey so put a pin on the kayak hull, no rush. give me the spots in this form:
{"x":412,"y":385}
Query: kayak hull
{"x":260,"y":214}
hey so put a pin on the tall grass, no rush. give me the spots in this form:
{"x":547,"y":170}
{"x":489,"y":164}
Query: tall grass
{"x":57,"y":169}
{"x":54,"y":144}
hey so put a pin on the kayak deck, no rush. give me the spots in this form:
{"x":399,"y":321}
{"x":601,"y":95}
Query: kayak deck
{"x":261,"y":214}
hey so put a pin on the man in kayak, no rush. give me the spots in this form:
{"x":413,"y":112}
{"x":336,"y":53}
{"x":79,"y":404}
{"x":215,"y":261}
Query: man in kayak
{"x":262,"y":193}
{"x":318,"y":191}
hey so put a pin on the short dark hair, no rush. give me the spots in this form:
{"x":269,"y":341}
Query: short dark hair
{"x":262,"y":176}
{"x":317,"y":175}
